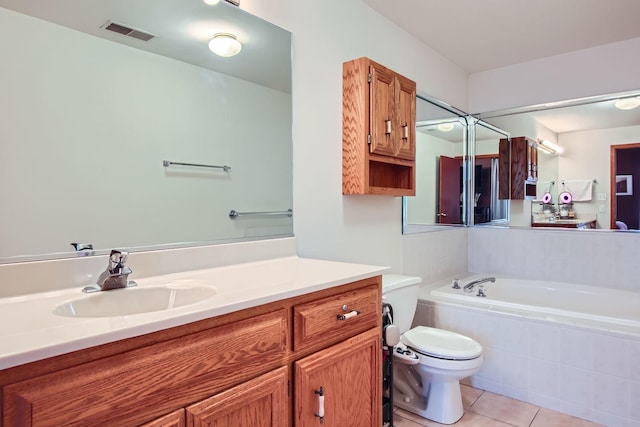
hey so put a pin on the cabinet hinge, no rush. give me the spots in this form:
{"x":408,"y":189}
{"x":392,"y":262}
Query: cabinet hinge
{"x":370,"y":78}
{"x":369,"y":139}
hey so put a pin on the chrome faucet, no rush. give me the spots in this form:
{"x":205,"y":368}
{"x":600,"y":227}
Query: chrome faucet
{"x":115,"y":276}
{"x":469,"y":286}
{"x":83,"y":249}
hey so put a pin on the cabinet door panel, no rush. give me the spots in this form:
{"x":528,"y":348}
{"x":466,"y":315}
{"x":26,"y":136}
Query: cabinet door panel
{"x":381,"y":111}
{"x":350,"y":376}
{"x":174,"y":419}
{"x":261,"y":402}
{"x":406,"y":117}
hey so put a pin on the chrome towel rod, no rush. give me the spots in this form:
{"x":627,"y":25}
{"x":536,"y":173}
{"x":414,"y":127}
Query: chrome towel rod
{"x":167,"y":163}
{"x":234,"y":214}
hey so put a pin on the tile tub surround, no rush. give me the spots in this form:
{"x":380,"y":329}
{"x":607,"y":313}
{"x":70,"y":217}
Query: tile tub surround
{"x":435,"y":255}
{"x":581,"y":371}
{"x":590,"y":257}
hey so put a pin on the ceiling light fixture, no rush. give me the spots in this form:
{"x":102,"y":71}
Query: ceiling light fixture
{"x":211,"y":2}
{"x":549,"y":147}
{"x":627,"y":103}
{"x":225,"y":44}
{"x":445,"y":127}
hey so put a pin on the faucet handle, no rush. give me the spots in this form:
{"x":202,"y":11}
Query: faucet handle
{"x":117,"y":260}
{"x":456,"y":285}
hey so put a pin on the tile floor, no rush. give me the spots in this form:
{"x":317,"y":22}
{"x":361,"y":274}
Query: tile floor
{"x":486,"y":409}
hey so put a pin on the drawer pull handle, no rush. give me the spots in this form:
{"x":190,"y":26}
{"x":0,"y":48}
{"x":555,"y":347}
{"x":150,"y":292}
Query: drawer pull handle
{"x":320,"y":413}
{"x":405,"y":134}
{"x":348,"y":315}
{"x":388,"y":127}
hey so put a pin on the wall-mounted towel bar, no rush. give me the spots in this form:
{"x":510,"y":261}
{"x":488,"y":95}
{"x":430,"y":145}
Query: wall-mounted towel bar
{"x":167,"y":163}
{"x":595,"y":181}
{"x":234,"y":214}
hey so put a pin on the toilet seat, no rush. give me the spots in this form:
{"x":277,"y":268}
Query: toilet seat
{"x":441,"y":344}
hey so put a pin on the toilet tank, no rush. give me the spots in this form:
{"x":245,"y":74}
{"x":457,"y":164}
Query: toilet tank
{"x":402,"y":293}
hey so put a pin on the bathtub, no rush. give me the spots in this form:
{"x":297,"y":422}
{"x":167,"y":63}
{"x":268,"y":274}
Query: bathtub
{"x":565,"y":347}
{"x":549,"y":300}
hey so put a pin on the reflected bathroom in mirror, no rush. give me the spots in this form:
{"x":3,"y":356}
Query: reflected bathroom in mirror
{"x":91,"y":115}
{"x":441,"y":135}
{"x":599,"y":142}
{"x":443,"y":177}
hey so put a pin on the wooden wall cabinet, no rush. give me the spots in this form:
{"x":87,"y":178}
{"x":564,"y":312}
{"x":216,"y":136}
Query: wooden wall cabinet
{"x":378,"y":130}
{"x":518,"y":168}
{"x":243,"y":368}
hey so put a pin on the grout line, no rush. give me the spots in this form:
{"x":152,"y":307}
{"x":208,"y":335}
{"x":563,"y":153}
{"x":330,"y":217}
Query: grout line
{"x":534,"y":417}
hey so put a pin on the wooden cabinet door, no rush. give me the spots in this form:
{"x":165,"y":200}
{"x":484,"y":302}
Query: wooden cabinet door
{"x":261,"y":402}
{"x":381,"y":111}
{"x":349,"y":374}
{"x":406,"y":118}
{"x":174,"y":419}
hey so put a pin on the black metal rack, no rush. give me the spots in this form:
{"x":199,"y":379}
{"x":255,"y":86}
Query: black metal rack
{"x":387,"y":370}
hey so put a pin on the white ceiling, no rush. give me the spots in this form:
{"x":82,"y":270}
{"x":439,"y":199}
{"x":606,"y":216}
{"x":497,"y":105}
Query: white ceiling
{"x":480,"y":35}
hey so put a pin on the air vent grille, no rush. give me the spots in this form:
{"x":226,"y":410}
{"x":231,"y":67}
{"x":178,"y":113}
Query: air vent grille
{"x":128,"y":31}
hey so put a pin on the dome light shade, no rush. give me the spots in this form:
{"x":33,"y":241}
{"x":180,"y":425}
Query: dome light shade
{"x":445,"y":127}
{"x":225,"y":44}
{"x":627,"y":103}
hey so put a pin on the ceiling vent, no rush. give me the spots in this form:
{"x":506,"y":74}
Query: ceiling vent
{"x":128,"y":31}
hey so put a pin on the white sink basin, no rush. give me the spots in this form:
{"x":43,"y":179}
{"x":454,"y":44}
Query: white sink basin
{"x":125,"y":302}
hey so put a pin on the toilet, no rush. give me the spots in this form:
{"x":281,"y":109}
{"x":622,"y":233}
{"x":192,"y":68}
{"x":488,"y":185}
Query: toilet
{"x":428,"y":363}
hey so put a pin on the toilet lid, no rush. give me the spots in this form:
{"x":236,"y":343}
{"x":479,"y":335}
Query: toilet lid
{"x":442,"y":344}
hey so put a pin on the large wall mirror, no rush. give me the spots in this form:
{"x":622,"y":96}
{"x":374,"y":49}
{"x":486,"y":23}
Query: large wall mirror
{"x":90,"y":117}
{"x":441,"y":144}
{"x":455,"y":153}
{"x":594,"y":162}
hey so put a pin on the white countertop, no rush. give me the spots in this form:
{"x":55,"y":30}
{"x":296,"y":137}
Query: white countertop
{"x":29,"y":330}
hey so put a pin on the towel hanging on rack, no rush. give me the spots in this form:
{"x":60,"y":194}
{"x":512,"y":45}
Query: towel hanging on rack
{"x":580,"y":190}
{"x":543,"y":187}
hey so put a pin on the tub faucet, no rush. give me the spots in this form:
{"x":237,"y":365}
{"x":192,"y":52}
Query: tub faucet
{"x":115,"y":276}
{"x":469,"y":286}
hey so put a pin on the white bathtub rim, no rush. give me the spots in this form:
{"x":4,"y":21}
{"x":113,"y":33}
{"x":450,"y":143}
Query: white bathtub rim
{"x":607,"y":325}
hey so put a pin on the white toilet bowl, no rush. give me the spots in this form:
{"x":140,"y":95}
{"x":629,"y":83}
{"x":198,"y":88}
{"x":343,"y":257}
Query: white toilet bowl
{"x":430,"y":362}
{"x":431,"y":387}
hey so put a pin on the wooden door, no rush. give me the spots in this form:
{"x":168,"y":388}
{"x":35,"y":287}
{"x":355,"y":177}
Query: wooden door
{"x":261,"y":402}
{"x":406,"y":118}
{"x":449,"y":191}
{"x":381,"y":111}
{"x":349,"y":375}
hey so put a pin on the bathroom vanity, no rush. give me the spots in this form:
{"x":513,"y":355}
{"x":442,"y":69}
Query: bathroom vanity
{"x":566,"y":223}
{"x":303,"y":341}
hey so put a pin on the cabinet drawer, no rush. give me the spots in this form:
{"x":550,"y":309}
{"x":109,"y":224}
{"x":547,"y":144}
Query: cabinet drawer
{"x":139,"y":385}
{"x":320,"y":321}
